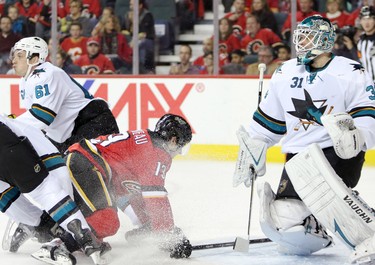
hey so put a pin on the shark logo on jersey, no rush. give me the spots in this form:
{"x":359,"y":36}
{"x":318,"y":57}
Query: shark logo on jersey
{"x":36,"y":72}
{"x":307,"y":112}
{"x":358,"y":66}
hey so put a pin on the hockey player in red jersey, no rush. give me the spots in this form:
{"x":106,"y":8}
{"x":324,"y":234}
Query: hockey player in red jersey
{"x":128,"y":170}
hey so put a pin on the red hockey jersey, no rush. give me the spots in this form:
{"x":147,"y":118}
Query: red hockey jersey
{"x":138,"y":174}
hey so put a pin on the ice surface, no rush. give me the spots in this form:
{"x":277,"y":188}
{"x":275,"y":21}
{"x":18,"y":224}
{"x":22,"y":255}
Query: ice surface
{"x":209,"y":210}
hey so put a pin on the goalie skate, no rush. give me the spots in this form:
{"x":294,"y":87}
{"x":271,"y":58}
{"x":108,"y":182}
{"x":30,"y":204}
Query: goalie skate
{"x":55,"y":253}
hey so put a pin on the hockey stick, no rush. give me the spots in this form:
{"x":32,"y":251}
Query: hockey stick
{"x":229,"y":244}
{"x":241,"y":244}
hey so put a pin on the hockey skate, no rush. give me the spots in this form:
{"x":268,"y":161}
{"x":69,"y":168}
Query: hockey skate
{"x":91,"y":246}
{"x":55,"y":252}
{"x":21,"y":235}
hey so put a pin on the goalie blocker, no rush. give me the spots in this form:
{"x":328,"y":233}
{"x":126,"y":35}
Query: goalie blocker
{"x":336,"y":206}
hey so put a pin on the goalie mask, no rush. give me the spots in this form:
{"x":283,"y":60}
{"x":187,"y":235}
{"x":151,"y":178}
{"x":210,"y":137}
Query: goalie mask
{"x":171,"y":125}
{"x":314,"y":35}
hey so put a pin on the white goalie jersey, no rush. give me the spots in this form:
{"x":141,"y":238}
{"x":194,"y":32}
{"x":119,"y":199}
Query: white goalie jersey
{"x":52,"y":100}
{"x":297,"y":99}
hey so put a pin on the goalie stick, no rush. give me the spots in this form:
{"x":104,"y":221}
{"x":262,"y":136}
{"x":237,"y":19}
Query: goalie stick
{"x":229,"y":244}
{"x":241,"y":244}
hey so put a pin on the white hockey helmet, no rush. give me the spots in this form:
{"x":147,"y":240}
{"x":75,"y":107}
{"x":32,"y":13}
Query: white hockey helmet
{"x":314,"y":35}
{"x":33,"y":45}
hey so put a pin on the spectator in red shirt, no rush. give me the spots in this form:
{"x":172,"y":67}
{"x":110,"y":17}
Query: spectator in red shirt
{"x":208,"y":47}
{"x":306,"y":10}
{"x":94,"y":62}
{"x":91,"y":8}
{"x":75,"y":45}
{"x":238,"y":16}
{"x":227,"y":40}
{"x":255,"y":36}
{"x":335,"y":13}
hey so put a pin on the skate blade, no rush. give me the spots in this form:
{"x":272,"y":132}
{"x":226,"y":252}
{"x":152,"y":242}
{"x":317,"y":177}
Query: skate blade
{"x":8,"y":234}
{"x":100,"y":259}
{"x":241,"y":245}
{"x":44,"y":255}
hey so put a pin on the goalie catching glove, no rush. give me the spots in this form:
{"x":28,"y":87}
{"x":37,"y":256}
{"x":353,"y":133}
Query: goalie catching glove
{"x":251,"y":160}
{"x":347,"y":139}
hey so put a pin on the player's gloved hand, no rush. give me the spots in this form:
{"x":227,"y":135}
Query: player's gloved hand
{"x":347,"y":139}
{"x":176,"y":243}
{"x":181,"y":249}
{"x":138,"y":234}
{"x":251,"y":160}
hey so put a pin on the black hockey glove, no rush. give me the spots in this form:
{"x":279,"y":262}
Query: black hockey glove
{"x":181,"y":249}
{"x":176,"y":243}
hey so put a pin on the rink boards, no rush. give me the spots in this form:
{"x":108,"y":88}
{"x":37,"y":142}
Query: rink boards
{"x":214,"y":106}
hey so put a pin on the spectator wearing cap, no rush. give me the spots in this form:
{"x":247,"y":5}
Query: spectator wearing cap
{"x":94,"y":62}
{"x":366,"y":43}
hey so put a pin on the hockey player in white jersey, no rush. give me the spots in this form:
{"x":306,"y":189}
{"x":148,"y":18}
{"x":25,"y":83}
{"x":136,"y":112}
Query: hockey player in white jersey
{"x":54,"y":101}
{"x":32,"y":165}
{"x":301,"y":91}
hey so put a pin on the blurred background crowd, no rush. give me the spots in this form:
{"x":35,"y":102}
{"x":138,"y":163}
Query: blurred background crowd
{"x":176,"y":36}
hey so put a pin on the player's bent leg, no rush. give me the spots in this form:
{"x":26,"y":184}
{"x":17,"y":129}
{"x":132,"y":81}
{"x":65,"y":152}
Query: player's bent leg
{"x":290,"y":224}
{"x":335,"y":205}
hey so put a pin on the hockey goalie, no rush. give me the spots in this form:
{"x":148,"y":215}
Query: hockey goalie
{"x":326,"y":101}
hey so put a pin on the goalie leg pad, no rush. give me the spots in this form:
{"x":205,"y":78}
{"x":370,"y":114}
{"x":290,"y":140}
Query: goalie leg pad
{"x":335,"y":205}
{"x":364,"y":253}
{"x":290,"y":224}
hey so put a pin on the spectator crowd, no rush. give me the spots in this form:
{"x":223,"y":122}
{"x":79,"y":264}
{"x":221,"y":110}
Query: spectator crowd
{"x":94,"y":39}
